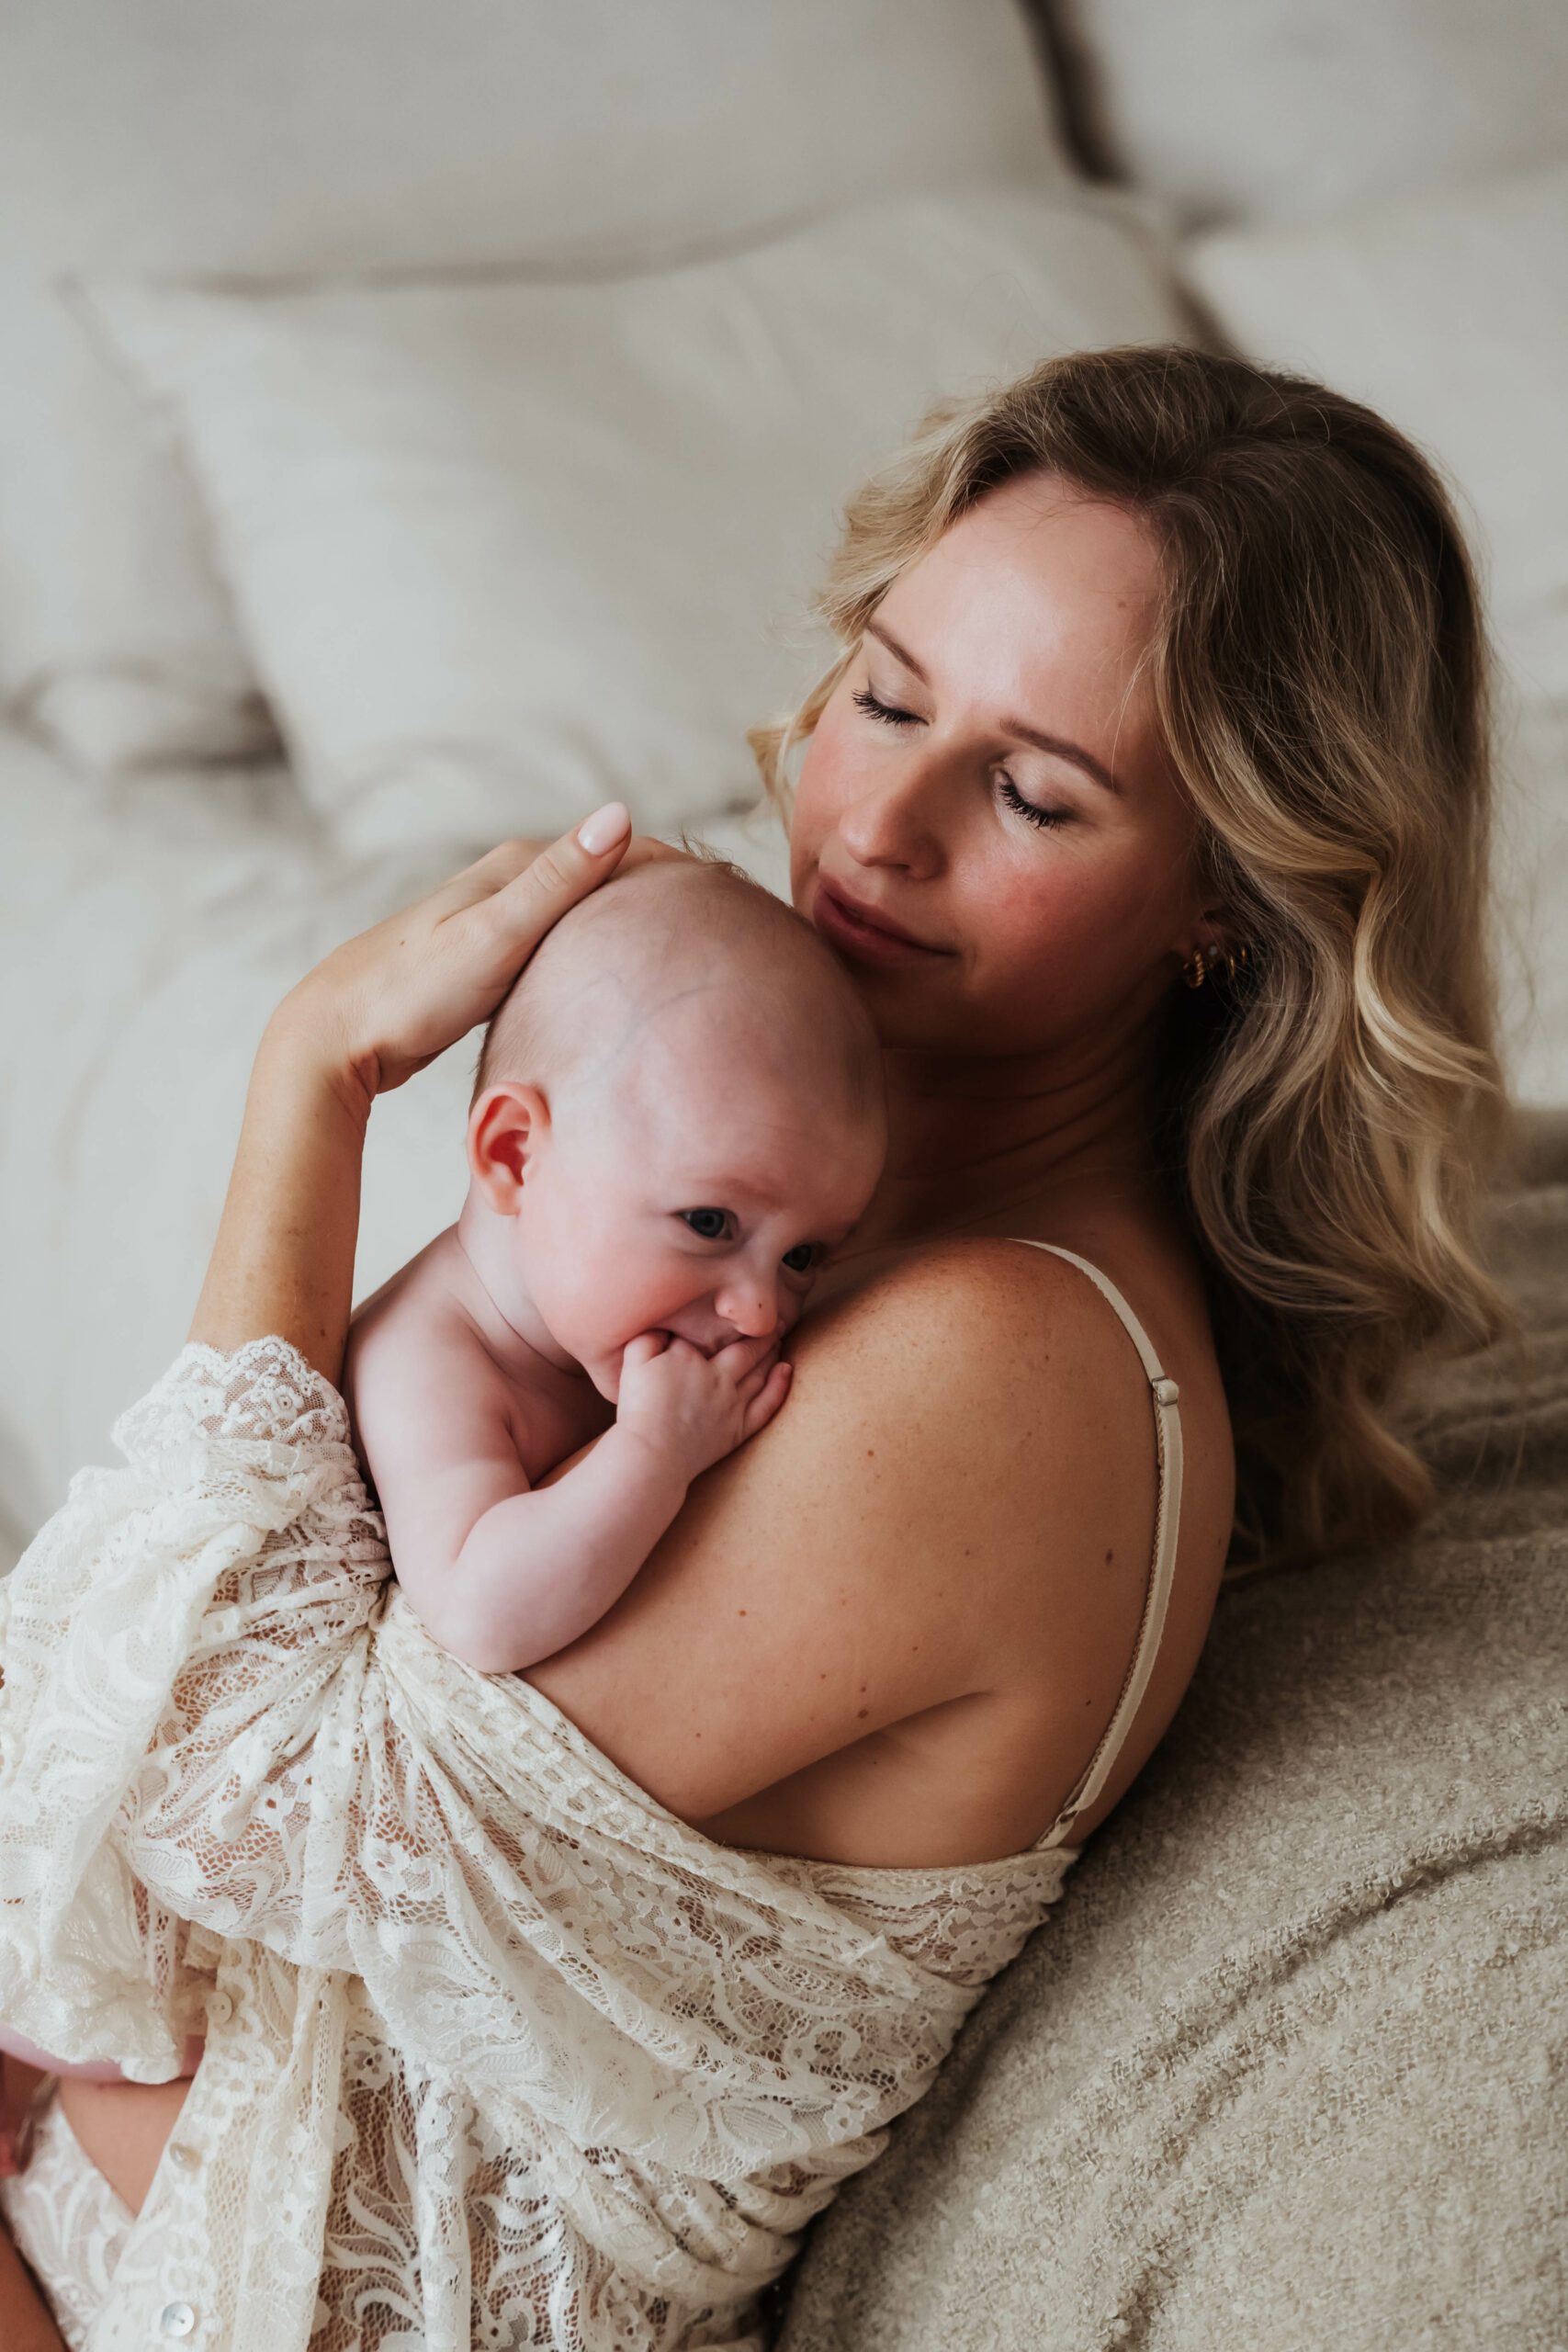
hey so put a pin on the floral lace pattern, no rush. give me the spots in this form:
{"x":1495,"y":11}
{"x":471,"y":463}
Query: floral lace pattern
{"x":499,"y":2050}
{"x":68,"y":2224}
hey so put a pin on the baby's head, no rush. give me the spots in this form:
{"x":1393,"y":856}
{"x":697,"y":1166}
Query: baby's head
{"x":680,"y":1104}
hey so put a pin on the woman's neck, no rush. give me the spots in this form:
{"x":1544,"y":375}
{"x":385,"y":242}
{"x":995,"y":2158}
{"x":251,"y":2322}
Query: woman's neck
{"x":971,"y":1140}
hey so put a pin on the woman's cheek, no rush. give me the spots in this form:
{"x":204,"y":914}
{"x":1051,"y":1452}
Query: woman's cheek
{"x":824,"y":784}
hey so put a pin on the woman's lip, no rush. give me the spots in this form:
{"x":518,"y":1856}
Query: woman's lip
{"x":866,"y":938}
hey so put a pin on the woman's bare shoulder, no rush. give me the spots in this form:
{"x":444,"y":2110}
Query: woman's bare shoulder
{"x":941,"y":1468}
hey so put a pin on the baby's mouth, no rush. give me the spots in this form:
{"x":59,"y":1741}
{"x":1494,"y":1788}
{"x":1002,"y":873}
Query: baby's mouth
{"x":703,"y":1347}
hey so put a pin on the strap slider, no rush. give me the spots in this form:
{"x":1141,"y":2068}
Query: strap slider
{"x":1166,"y":1392}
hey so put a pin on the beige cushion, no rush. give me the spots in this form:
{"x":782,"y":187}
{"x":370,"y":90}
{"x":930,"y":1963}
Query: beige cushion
{"x":1284,"y":2069}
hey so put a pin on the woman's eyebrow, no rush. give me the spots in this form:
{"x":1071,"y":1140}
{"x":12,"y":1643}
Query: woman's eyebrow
{"x":1055,"y":743}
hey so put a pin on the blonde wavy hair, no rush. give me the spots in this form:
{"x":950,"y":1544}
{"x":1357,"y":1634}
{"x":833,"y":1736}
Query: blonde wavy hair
{"x":1331,"y":1117}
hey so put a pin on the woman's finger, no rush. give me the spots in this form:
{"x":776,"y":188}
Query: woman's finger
{"x":513,"y":857}
{"x":526,"y":903}
{"x":489,"y":873}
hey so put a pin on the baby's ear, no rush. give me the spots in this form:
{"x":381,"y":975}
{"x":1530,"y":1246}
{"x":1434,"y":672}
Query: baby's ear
{"x":504,"y":1127}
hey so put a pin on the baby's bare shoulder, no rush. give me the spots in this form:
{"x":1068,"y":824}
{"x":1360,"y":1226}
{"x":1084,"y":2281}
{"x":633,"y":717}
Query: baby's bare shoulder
{"x":411,"y":1350}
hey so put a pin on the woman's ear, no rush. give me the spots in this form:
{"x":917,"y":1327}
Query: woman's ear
{"x":505,"y":1128}
{"x":1215,"y":930}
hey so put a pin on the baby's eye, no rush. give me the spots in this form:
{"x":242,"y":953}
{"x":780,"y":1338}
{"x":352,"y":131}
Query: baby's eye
{"x":708,"y":1232}
{"x":809,"y":1251}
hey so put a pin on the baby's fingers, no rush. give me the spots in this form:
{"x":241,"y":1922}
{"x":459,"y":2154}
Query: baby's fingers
{"x":760,"y":1411}
{"x":747,"y":1383}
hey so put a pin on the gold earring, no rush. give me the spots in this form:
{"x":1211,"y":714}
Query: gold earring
{"x":1197,"y":967}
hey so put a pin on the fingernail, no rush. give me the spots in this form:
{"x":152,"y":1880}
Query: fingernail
{"x":605,"y":828}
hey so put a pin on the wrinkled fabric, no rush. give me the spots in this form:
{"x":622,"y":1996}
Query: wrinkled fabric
{"x":499,"y":2050}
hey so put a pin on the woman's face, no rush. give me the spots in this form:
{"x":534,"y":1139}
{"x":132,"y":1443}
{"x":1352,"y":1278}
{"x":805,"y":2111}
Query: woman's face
{"x":1054,"y":880}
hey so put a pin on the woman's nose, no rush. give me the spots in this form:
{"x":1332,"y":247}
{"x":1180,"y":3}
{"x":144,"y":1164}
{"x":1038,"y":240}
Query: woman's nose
{"x":894,"y":820}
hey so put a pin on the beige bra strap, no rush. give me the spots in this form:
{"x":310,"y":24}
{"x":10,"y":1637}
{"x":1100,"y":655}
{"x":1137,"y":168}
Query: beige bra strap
{"x":1167,"y":1438}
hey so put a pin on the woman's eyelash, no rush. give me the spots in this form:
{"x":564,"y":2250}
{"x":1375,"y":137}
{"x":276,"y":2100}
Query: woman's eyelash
{"x":1010,"y":793}
{"x":1015,"y":799}
{"x":875,"y":709}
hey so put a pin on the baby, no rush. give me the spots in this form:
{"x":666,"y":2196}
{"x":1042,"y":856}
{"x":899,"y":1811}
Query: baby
{"x":678,"y":1112}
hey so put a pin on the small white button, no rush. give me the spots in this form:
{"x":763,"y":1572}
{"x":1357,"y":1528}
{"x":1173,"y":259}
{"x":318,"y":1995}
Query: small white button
{"x":176,"y":2319}
{"x":1166,"y":1392}
{"x":182,"y":2154}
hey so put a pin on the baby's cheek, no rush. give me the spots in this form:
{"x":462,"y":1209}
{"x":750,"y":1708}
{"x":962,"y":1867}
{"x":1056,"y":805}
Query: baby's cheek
{"x":791,"y":1309}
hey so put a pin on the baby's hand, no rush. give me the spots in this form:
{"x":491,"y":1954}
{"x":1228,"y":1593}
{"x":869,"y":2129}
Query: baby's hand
{"x":692,"y":1408}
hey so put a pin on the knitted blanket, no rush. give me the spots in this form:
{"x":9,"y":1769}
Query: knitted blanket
{"x":1288,"y":2068}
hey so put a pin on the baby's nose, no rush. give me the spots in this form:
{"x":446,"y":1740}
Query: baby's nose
{"x":752,"y":1307}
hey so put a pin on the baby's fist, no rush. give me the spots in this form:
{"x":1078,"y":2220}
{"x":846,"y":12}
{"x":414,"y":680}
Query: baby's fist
{"x":693,"y":1409}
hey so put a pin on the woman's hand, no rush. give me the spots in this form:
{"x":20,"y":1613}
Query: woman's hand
{"x":364,"y":1019}
{"x":386,"y":1003}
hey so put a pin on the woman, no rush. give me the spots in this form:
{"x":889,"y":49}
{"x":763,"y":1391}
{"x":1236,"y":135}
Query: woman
{"x":1155,"y":669}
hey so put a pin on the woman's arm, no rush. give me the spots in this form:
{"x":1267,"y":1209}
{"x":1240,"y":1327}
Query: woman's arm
{"x":363,"y":1021}
{"x":283,"y":1261}
{"x":25,"y":2322}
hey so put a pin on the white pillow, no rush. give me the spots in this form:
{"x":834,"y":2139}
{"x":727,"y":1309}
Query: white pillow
{"x":1532,"y":863}
{"x":1450,"y":317}
{"x":1275,"y":111}
{"x":504,"y":549}
{"x":307,"y":137}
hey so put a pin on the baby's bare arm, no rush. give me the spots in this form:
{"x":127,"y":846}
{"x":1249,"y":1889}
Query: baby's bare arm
{"x":501,"y":1573}
{"x":540,"y":1566}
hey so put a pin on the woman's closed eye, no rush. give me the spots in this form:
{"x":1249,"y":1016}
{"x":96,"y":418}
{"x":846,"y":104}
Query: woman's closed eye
{"x":883,"y":710}
{"x":890,"y":716}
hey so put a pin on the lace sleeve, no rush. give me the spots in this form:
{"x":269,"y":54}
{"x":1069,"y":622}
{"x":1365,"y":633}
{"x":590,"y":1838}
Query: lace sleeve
{"x":219,"y":1720}
{"x":180,"y":1649}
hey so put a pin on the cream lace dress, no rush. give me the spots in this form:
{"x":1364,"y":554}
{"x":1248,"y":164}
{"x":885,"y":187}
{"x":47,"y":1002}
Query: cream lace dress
{"x":499,"y":2050}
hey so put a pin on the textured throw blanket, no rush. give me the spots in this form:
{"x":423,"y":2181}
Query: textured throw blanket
{"x":1289,"y":2068}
